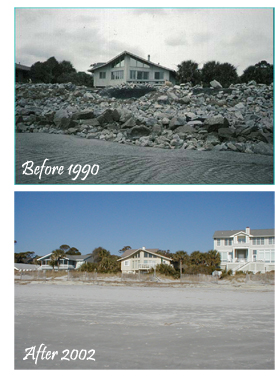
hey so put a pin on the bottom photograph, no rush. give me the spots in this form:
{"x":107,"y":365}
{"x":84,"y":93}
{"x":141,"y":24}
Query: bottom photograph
{"x":144,"y":280}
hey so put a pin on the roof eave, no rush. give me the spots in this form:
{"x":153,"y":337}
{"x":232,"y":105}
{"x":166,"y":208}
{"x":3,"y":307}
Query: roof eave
{"x":135,"y":56}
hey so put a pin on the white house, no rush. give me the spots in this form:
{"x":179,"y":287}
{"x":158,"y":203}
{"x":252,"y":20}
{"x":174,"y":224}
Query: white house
{"x":246,"y":250}
{"x":69,"y":262}
{"x":129,"y":68}
{"x":135,"y":260}
{"x":25,"y":267}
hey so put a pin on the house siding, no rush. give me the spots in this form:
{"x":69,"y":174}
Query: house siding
{"x":108,"y":81}
{"x":142,"y":262}
{"x":244,"y":255}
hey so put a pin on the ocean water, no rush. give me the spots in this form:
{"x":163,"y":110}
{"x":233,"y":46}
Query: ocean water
{"x":127,"y":164}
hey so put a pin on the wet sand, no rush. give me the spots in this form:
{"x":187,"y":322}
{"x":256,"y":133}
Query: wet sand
{"x":127,"y":164}
{"x":133,"y":327}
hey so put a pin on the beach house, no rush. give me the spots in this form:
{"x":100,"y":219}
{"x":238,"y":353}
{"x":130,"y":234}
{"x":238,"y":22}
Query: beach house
{"x":69,"y":262}
{"x":129,"y":68}
{"x":246,"y":250}
{"x":135,"y":260}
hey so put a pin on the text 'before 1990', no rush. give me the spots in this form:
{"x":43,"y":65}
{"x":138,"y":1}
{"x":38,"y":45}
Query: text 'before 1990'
{"x":68,"y":355}
{"x":74,"y":170}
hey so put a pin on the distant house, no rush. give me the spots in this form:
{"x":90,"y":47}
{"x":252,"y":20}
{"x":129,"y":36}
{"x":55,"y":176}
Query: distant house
{"x":129,"y":68}
{"x":69,"y":262}
{"x":246,"y":250}
{"x":135,"y":260}
{"x":22,"y":73}
{"x":25,"y":267}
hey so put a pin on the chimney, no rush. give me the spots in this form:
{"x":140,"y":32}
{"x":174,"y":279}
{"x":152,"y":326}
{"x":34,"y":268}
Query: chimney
{"x":143,"y":248}
{"x":247,"y":230}
{"x":148,"y":58}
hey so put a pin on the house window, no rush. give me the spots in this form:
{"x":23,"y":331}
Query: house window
{"x":241,"y":239}
{"x":118,"y":63}
{"x":117,"y":75}
{"x":223,"y":256}
{"x":271,"y":240}
{"x":228,"y":241}
{"x":159,"y":75}
{"x":138,"y":63}
{"x":218,"y":242}
{"x":267,"y":256}
{"x":142,"y":75}
{"x":258,"y":241}
{"x":127,"y":263}
{"x":133,"y":75}
{"x":102,"y":75}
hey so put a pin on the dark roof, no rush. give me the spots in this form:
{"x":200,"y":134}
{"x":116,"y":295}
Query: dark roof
{"x":253,"y":233}
{"x":78,"y":257}
{"x":129,"y":252}
{"x":71,"y":257}
{"x":22,"y":67}
{"x":99,"y":65}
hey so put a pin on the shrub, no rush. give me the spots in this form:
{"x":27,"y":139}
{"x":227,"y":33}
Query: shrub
{"x":226,"y":273}
{"x":89,"y":267}
{"x":167,"y":270}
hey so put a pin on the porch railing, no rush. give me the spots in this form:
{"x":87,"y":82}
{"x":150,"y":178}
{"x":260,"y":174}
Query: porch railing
{"x":146,"y":266}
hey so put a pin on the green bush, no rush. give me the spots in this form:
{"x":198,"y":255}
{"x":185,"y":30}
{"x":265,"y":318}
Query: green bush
{"x":198,"y":269}
{"x":226,"y":273}
{"x":167,"y":270}
{"x":89,"y":267}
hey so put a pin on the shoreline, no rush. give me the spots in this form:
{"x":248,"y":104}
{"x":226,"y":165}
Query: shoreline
{"x":227,"y":285}
{"x":130,"y":164}
{"x":199,"y":327}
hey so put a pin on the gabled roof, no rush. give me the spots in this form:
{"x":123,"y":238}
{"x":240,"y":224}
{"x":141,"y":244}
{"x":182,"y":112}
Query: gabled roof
{"x":130,"y":252}
{"x":253,"y":233}
{"x":70,"y":257}
{"x":100,"y":65}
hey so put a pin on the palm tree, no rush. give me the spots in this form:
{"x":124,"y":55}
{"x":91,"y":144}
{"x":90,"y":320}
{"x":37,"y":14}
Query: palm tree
{"x":213,"y":258}
{"x":181,"y":255}
{"x":196,"y":258}
{"x":57,"y":254}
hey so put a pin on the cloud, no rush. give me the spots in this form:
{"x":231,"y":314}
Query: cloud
{"x":177,"y":41}
{"x":149,"y":11}
{"x":201,"y":38}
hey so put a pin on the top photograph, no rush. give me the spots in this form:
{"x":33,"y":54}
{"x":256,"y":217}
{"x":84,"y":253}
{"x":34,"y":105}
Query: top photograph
{"x":123,"y":96}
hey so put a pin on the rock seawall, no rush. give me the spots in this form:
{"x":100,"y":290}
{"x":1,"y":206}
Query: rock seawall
{"x":239,"y":118}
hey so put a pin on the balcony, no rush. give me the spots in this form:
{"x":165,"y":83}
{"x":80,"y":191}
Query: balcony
{"x":61,"y":267}
{"x":146,"y":266}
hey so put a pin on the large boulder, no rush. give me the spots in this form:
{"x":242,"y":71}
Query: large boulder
{"x":62,"y":119}
{"x":226,"y":133}
{"x":109,"y":116}
{"x":130,"y":123}
{"x":83,"y":114}
{"x":213,"y":123}
{"x":139,"y":131}
{"x":215,"y":84}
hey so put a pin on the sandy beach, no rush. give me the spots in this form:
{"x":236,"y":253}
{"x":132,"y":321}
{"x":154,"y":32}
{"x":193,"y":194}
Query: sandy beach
{"x":189,"y":326}
{"x":128,"y":164}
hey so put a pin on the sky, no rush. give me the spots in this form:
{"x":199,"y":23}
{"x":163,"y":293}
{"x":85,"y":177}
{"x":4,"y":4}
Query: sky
{"x":242,"y":37}
{"x":166,"y":220}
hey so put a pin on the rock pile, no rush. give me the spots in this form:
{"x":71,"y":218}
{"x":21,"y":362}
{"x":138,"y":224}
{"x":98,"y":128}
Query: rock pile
{"x":239,"y":118}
